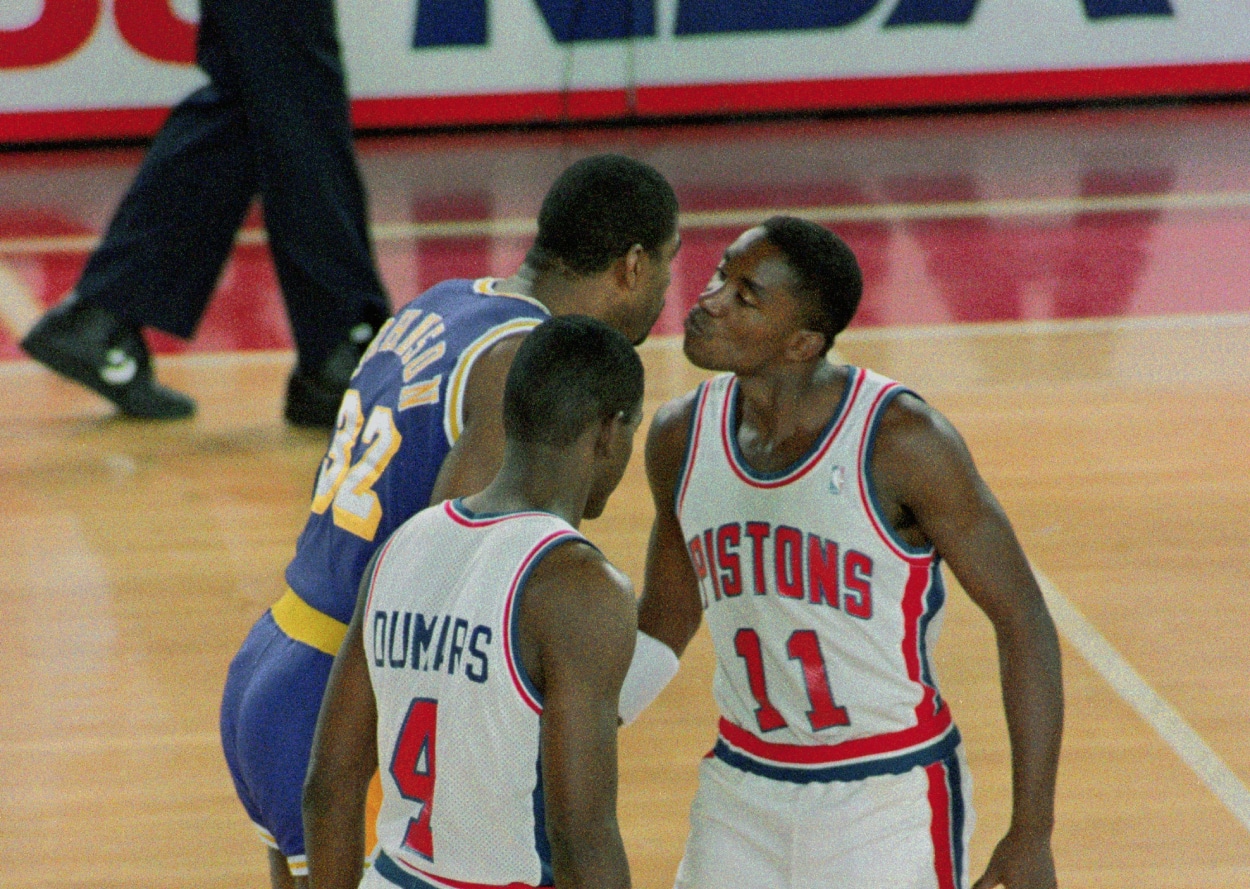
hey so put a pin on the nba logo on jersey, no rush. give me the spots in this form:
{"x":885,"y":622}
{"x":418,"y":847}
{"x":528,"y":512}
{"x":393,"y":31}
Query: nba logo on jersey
{"x":836,"y":476}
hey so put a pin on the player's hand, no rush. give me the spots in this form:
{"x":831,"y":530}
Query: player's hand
{"x":1020,"y":862}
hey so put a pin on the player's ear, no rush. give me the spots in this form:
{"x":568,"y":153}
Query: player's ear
{"x":611,"y":431}
{"x":605,"y":436}
{"x":805,"y":345}
{"x":628,"y":268}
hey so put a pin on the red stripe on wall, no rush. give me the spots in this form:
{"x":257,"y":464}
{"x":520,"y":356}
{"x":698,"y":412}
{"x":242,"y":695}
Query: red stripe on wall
{"x":950,"y":89}
{"x":928,"y":90}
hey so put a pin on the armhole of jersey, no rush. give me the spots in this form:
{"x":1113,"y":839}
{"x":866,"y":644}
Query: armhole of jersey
{"x":693,"y":432}
{"x":458,"y":381}
{"x":374,"y":570}
{"x":868,"y":494}
{"x":521,"y":682}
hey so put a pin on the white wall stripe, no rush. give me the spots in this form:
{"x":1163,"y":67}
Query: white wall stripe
{"x":1153,"y":708}
{"x":19,"y":309}
{"x":830,"y":214}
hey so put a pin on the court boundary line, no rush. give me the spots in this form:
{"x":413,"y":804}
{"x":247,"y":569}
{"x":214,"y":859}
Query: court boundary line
{"x":951,"y":330}
{"x":1151,"y":706}
{"x":1047,"y":326}
{"x":1096,"y":650}
{"x":1025,"y":327}
{"x":1003,"y":208}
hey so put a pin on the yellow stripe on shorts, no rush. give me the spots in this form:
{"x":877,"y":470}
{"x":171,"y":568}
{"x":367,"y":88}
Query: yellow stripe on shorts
{"x":306,"y":624}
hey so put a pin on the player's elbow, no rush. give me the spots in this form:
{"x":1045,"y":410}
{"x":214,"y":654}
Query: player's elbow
{"x":671,"y":624}
{"x":318,"y":792}
{"x":588,"y":853}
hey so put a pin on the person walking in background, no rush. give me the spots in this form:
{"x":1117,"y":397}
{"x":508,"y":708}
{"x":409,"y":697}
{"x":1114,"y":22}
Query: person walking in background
{"x":498,"y":749}
{"x":272,"y":120}
{"x":806,"y":507}
{"x":422,"y":421}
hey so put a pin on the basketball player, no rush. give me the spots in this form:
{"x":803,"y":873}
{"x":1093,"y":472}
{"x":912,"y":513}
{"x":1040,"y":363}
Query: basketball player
{"x":423,"y":413}
{"x":496,"y":737}
{"x":805,"y":508}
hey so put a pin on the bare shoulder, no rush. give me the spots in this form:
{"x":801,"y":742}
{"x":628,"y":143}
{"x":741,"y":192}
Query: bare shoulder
{"x":913,"y":436}
{"x":667,"y":440}
{"x":579,"y":567}
{"x":484,"y":389}
{"x":478,"y":453}
{"x":921,"y":470}
{"x":578,"y":613}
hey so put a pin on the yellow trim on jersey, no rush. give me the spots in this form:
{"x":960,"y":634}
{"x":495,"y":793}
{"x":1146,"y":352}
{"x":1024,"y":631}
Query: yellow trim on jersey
{"x":265,"y":836}
{"x":490,"y":287}
{"x":453,"y":418}
{"x":306,"y":624}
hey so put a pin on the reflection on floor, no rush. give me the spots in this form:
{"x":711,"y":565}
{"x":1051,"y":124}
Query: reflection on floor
{"x":974,"y":218}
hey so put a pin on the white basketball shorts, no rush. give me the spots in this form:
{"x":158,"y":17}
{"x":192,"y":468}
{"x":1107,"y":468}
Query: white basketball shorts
{"x":908,"y":831}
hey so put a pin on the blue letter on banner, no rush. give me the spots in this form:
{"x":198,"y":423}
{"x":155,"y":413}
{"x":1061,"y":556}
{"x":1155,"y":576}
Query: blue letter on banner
{"x":720,"y":17}
{"x":958,"y":12}
{"x":1104,"y":9}
{"x":463,"y":22}
{"x":931,"y":12}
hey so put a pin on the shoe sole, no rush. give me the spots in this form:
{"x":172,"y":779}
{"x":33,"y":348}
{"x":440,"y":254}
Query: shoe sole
{"x":75,"y":369}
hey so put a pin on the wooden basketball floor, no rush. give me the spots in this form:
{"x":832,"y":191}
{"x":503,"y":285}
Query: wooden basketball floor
{"x":134,"y":557}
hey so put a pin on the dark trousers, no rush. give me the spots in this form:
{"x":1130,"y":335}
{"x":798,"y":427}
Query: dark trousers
{"x":273,"y":120}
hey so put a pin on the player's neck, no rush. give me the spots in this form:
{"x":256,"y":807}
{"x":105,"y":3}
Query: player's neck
{"x":520,"y":283}
{"x":564,"y":293}
{"x":790,"y":401}
{"x":554,"y":483}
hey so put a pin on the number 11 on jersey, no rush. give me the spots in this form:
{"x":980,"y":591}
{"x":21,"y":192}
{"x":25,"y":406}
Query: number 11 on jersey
{"x":802,"y":646}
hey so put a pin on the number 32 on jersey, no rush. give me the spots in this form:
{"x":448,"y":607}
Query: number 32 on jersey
{"x":345,"y":480}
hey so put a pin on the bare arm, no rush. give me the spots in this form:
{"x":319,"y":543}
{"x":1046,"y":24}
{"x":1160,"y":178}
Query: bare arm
{"x":477,"y":455}
{"x":577,"y":632}
{"x":925,"y":475}
{"x":670,"y":608}
{"x":344,"y":758}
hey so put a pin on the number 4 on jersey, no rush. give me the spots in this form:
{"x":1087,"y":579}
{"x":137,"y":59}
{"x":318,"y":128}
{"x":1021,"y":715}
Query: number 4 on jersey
{"x":412,"y":767}
{"x":349,"y":485}
{"x":803,"y":646}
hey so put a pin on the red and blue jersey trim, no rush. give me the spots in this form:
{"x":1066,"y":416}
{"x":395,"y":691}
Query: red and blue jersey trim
{"x":923,"y":593}
{"x":692,"y":446}
{"x":729,"y":409}
{"x":462,"y":515}
{"x":948,"y":816}
{"x":889,"y":754}
{"x":867,"y":495}
{"x":511,"y":612}
{"x":408,"y":876}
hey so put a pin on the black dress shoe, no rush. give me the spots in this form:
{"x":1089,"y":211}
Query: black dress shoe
{"x":312,"y":398}
{"x":93,"y":347}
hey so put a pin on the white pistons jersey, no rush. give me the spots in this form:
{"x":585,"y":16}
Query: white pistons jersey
{"x":458,"y":718}
{"x":822,"y":619}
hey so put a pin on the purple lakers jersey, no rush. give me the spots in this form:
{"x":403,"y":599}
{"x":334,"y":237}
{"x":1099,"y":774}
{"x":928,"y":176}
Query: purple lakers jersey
{"x":401,"y":415}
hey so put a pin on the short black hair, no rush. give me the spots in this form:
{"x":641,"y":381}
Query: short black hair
{"x":597,"y":209}
{"x":571,"y":371}
{"x":828,"y":275}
